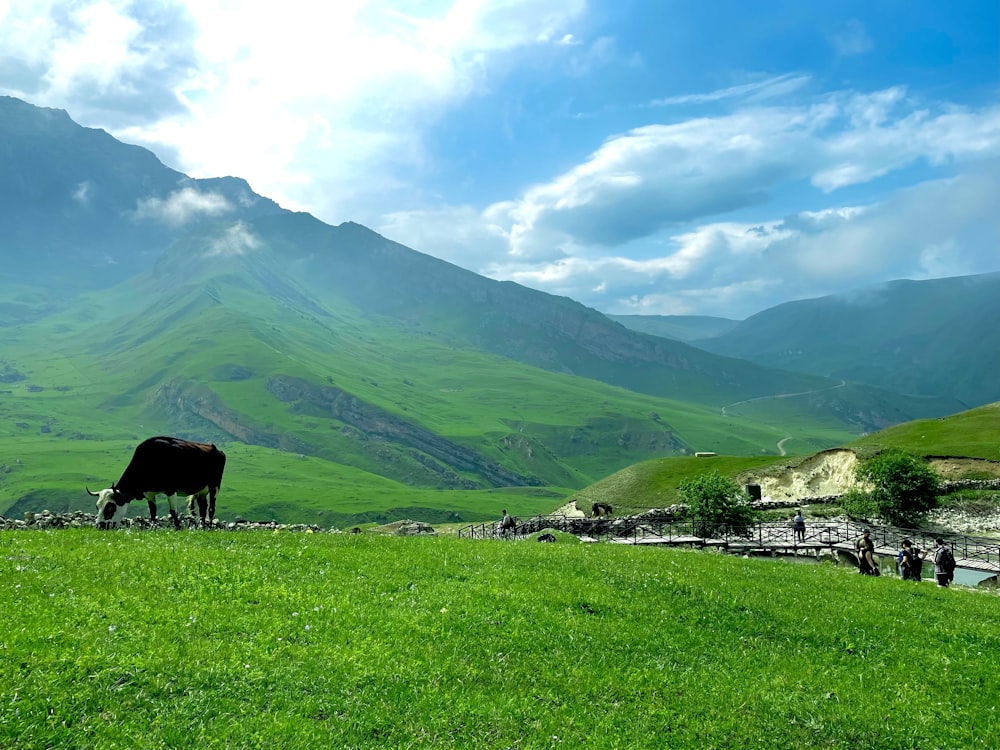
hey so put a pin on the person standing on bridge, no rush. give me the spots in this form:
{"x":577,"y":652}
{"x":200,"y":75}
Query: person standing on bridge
{"x":799,"y":526}
{"x":944,"y":563}
{"x":866,"y":554}
{"x":506,"y":524}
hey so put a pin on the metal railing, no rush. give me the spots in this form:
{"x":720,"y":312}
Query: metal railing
{"x":980,"y":553}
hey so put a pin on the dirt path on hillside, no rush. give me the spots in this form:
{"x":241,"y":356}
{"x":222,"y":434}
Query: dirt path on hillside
{"x":841,"y":384}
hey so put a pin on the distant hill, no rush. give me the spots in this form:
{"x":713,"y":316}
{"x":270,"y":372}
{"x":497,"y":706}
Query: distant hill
{"x":344,"y":374}
{"x":681,"y":327}
{"x":938,"y":337}
{"x":972,"y":434}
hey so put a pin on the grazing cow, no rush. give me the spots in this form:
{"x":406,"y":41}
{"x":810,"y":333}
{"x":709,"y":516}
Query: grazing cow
{"x":164,"y":466}
{"x":600,"y":510}
{"x":547,"y":538}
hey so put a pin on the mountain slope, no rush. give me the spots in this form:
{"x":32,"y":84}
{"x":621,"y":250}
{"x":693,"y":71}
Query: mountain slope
{"x":80,"y":209}
{"x":343,"y":373}
{"x":938,"y":337}
{"x":382,"y":414}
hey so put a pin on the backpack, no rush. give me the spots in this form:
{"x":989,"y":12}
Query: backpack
{"x":947,"y":560}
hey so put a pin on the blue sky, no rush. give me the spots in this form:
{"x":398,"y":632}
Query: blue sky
{"x":640,"y":156}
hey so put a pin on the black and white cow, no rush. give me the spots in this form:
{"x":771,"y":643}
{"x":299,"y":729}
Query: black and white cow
{"x":164,"y":466}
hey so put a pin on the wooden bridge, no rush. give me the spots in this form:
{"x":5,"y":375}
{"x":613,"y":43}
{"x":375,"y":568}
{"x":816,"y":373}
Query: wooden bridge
{"x":973,"y":553}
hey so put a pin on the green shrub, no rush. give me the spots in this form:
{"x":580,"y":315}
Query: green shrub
{"x":716,"y":503}
{"x":904,"y":489}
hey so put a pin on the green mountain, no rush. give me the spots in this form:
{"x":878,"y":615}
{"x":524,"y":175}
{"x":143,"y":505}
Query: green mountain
{"x":681,"y":327}
{"x":938,"y":337}
{"x":347,"y":377}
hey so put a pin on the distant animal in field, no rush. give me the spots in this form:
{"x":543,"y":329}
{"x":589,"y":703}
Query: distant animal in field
{"x":164,"y":466}
{"x":547,"y":538}
{"x":600,"y":510}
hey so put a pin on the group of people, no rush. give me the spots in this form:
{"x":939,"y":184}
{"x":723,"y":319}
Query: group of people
{"x":909,"y":559}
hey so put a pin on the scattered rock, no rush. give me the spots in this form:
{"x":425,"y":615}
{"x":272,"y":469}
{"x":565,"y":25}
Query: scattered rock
{"x":47,"y":519}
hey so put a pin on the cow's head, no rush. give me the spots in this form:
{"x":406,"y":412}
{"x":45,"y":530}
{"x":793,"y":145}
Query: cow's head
{"x":111,"y":507}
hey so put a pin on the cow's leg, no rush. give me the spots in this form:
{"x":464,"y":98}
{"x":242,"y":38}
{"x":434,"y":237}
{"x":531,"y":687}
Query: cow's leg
{"x":151,"y":501}
{"x":212,"y":492}
{"x":198,"y":497}
{"x":173,"y":512}
{"x":202,"y":506}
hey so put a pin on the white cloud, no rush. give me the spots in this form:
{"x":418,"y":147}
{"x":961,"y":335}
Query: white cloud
{"x":182,"y":206}
{"x":237,"y":240}
{"x":660,"y":176}
{"x":327,"y":107}
{"x":461,"y":234}
{"x":754,"y":91}
{"x":268,"y":91}
{"x":98,"y":47}
{"x":83,"y":192}
{"x":940,"y":227}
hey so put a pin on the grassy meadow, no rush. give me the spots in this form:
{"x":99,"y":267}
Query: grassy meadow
{"x":974,"y":433}
{"x":280,"y":640}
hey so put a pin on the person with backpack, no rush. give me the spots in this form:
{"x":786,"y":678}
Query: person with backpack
{"x":905,"y":561}
{"x":865,"y":548}
{"x":944,"y":563}
{"x":507,"y":524}
{"x":799,"y":526}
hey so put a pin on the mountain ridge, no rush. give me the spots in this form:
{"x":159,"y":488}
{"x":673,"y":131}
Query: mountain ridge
{"x":223,"y":305}
{"x":927,"y":337}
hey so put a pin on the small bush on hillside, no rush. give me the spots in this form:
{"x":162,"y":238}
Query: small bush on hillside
{"x":717,"y":504}
{"x":904,"y":489}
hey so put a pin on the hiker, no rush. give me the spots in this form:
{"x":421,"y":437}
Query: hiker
{"x":866,"y":550}
{"x":506,"y":524}
{"x":918,"y":563}
{"x":905,"y":561}
{"x":944,"y":563}
{"x":799,"y":526}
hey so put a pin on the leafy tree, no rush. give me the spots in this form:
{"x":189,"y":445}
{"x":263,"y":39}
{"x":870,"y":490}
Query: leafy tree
{"x":904,"y":489}
{"x":717,"y":504}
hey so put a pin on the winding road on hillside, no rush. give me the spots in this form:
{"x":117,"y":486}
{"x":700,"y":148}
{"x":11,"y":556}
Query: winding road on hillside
{"x":781,"y":443}
{"x":841,"y":384}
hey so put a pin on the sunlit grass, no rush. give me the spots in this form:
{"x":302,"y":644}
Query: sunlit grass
{"x":163,"y":639}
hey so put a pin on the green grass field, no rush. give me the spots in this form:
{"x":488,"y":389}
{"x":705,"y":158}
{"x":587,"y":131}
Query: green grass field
{"x":974,"y":433}
{"x":265,"y":640}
